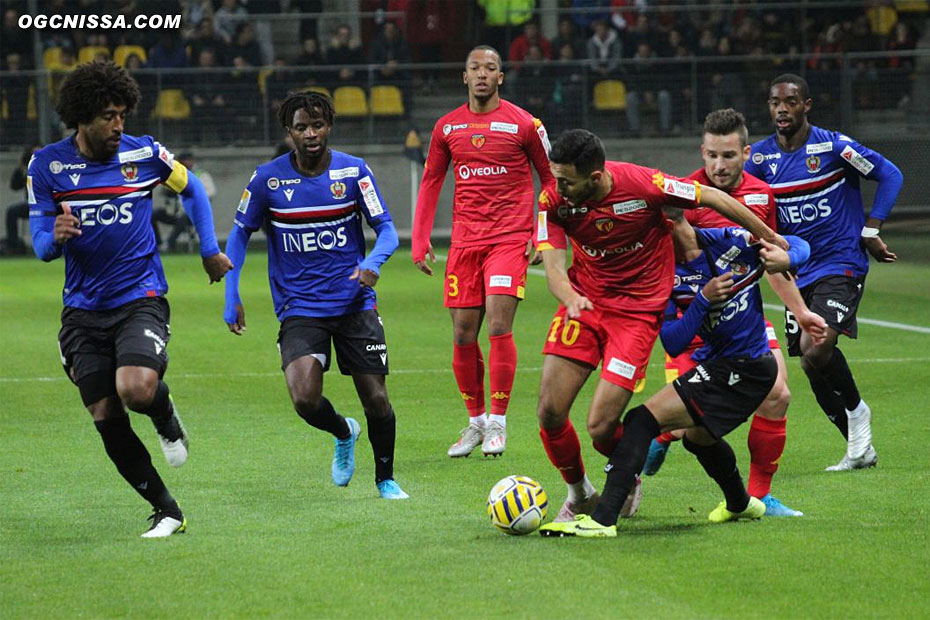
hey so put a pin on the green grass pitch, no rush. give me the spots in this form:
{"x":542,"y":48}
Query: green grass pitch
{"x":270,"y":535}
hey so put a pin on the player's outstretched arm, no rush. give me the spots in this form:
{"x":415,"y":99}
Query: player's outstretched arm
{"x":369,"y":270}
{"x":733,"y":210}
{"x":197,"y":205}
{"x":560,"y":286}
{"x":234,"y":312}
{"x":676,"y":334}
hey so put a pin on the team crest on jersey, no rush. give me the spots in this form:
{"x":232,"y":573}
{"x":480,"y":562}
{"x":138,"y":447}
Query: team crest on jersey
{"x":338,"y":190}
{"x":477,"y":140}
{"x":605,"y":224}
{"x":813,"y":164}
{"x":130,"y":172}
{"x":739,"y":269}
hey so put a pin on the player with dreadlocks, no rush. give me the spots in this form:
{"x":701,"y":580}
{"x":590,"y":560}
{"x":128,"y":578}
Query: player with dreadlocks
{"x":322,"y":283}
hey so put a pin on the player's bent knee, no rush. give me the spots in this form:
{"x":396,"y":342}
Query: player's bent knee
{"x":136,"y":393}
{"x":306,"y":401}
{"x":775,"y":405}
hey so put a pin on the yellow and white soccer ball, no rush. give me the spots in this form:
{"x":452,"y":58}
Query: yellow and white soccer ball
{"x":517,"y":505}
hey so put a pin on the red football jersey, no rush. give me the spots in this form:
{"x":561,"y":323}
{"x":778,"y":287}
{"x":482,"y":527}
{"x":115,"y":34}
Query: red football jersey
{"x":490,"y":155}
{"x":753,"y":192}
{"x":622,"y":253}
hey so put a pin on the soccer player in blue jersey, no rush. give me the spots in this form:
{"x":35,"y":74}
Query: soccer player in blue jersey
{"x":90,"y":200}
{"x":322,"y":283}
{"x":717,"y":274}
{"x":815,"y":175}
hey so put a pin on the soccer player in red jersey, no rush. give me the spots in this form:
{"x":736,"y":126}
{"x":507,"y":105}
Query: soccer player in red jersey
{"x":612,"y":297}
{"x":491,"y":144}
{"x":725,"y":149}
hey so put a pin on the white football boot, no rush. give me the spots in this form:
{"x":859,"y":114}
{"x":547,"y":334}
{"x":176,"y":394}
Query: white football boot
{"x":469,"y":439}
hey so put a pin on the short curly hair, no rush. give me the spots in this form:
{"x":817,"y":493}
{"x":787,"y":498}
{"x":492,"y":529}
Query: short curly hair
{"x":91,"y":87}
{"x":315,"y":103}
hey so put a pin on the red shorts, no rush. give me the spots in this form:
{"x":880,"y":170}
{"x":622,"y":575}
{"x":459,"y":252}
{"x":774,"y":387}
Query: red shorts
{"x":473,"y":273}
{"x":621,"y":340}
{"x":682,"y":363}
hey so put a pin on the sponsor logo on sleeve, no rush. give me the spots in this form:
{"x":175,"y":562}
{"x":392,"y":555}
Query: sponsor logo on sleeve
{"x":820,"y":147}
{"x":31,"y":197}
{"x":756,"y":199}
{"x":343,"y":173}
{"x":727,"y":257}
{"x":500,"y":282}
{"x":681,"y":189}
{"x":273,"y":183}
{"x":542,"y":229}
{"x":857,"y":161}
{"x":629,"y":206}
{"x":166,"y":156}
{"x":619,"y":367}
{"x":543,"y":137}
{"x":375,"y":208}
{"x":757,"y":158}
{"x":56,"y":166}
{"x":244,"y":201}
{"x":446,"y":129}
{"x":505,"y":127}
{"x":135,"y":155}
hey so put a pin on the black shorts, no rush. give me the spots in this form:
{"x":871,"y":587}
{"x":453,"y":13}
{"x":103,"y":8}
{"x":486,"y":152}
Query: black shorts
{"x":836,"y":299}
{"x":721,"y":394}
{"x":94,"y":343}
{"x":358,"y":337}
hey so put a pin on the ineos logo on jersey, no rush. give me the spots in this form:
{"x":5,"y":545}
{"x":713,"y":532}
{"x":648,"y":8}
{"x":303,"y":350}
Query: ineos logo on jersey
{"x":466,"y":172}
{"x":56,"y":166}
{"x":313,"y":241}
{"x":106,"y":214}
{"x":596,"y":252}
{"x":807,"y":212}
{"x":735,"y":306}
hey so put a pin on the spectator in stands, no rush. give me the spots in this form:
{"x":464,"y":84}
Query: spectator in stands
{"x":19,"y":211}
{"x":148,"y":86}
{"x":568,"y":91}
{"x":646,"y":88}
{"x":639,"y":32}
{"x":227,"y":17}
{"x":725,"y":86}
{"x":205,"y":36}
{"x":310,"y":54}
{"x":279,"y":83}
{"x":623,"y":14}
{"x":13,"y":39}
{"x":15,"y":88}
{"x":194,"y":12}
{"x":388,"y":51}
{"x":344,"y":51}
{"x":173,"y":212}
{"x":309,"y":27}
{"x":568,"y":35}
{"x":169,"y":53}
{"x":245,"y":45}
{"x":210,"y":107}
{"x":503,"y":19}
{"x":585,"y":20}
{"x":521,"y":45}
{"x":534,"y":83}
{"x":604,"y":51}
{"x":901,"y":67}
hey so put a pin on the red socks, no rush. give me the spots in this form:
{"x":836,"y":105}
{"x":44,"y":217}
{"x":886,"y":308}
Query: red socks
{"x":564,"y":451}
{"x":607,"y":449}
{"x":666,"y":438}
{"x":766,"y":443}
{"x":502,"y":365}
{"x":468,"y":367}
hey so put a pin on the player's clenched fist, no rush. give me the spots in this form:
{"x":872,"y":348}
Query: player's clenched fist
{"x":66,"y":225}
{"x":217,"y":266}
{"x":719,"y":288}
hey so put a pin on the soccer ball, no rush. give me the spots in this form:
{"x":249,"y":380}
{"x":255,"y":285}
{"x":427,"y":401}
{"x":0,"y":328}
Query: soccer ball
{"x":517,"y":505}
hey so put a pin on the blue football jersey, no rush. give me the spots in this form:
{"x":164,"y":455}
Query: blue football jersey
{"x":115,"y":259}
{"x":817,"y":194}
{"x":731,"y":328}
{"x":316,"y":238}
